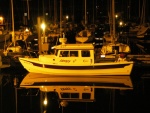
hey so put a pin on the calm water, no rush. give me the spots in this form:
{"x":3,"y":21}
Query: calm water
{"x":106,"y":100}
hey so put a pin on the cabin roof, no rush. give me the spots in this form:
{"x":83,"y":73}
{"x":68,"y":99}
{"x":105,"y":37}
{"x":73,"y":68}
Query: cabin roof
{"x":75,"y":46}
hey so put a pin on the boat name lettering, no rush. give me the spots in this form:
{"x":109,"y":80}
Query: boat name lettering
{"x":66,"y":88}
{"x":85,"y":60}
{"x":74,"y":60}
{"x":64,"y":60}
{"x":86,"y":89}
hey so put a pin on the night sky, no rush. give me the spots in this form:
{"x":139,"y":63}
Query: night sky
{"x":128,"y":9}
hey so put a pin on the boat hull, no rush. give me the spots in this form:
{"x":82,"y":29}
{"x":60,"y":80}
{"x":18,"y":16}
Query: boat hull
{"x":112,"y":68}
{"x":84,"y":36}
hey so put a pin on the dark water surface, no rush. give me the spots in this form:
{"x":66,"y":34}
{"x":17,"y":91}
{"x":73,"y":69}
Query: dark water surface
{"x":106,"y":100}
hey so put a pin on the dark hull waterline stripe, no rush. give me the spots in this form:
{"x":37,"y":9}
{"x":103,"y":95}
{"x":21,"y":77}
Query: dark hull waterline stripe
{"x":86,"y":67}
{"x":79,"y":67}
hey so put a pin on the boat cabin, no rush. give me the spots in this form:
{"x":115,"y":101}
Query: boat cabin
{"x":71,"y":54}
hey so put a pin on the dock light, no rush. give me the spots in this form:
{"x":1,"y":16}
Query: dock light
{"x":102,"y":56}
{"x":1,"y":20}
{"x":116,"y":16}
{"x":45,"y":101}
{"x":120,"y":23}
{"x":26,"y":30}
{"x":43,"y":26}
{"x":67,"y":17}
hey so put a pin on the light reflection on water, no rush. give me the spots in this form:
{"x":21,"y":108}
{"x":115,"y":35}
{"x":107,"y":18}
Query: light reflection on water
{"x":136,"y":100}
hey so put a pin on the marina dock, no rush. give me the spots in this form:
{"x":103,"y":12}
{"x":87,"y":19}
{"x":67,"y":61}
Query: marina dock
{"x":140,"y":60}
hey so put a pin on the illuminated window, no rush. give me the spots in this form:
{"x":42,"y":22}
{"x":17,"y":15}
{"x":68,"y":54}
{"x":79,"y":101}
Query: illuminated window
{"x":74,"y":53}
{"x":85,"y":53}
{"x":70,"y":95}
{"x":64,"y":53}
{"x":86,"y":95}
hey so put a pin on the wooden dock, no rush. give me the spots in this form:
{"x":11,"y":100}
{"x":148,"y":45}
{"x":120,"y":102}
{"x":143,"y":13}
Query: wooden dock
{"x":140,"y":59}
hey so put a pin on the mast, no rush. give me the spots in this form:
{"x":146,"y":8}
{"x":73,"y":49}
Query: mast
{"x":143,"y":12}
{"x":60,"y":16}
{"x":13,"y":29}
{"x":112,"y":20}
{"x":28,"y":9}
{"x":73,"y":11}
{"x":55,"y":11}
{"x":85,"y":13}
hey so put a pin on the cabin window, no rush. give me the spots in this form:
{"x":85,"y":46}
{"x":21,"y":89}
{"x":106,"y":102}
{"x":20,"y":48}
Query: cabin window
{"x":86,"y":95}
{"x":115,"y":49}
{"x":74,"y":53}
{"x":70,"y":95}
{"x":85,"y":53}
{"x":68,"y":54}
{"x":64,"y":53}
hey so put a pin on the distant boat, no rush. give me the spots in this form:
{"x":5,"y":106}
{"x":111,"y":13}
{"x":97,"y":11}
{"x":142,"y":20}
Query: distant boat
{"x":111,"y":45}
{"x":84,"y":36}
{"x":87,"y":34}
{"x":4,"y":35}
{"x":140,"y":31}
{"x":14,"y":49}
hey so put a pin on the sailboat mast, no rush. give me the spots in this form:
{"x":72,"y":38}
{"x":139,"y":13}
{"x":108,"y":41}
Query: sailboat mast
{"x":85,"y":12}
{"x":12,"y":14}
{"x":55,"y":11}
{"x":112,"y":20}
{"x":60,"y":16}
{"x":28,"y":9}
{"x":143,"y":13}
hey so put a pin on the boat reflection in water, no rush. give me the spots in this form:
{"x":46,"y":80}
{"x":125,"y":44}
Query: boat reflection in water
{"x":75,"y":88}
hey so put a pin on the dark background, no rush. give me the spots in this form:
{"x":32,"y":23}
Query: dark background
{"x":96,"y":9}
